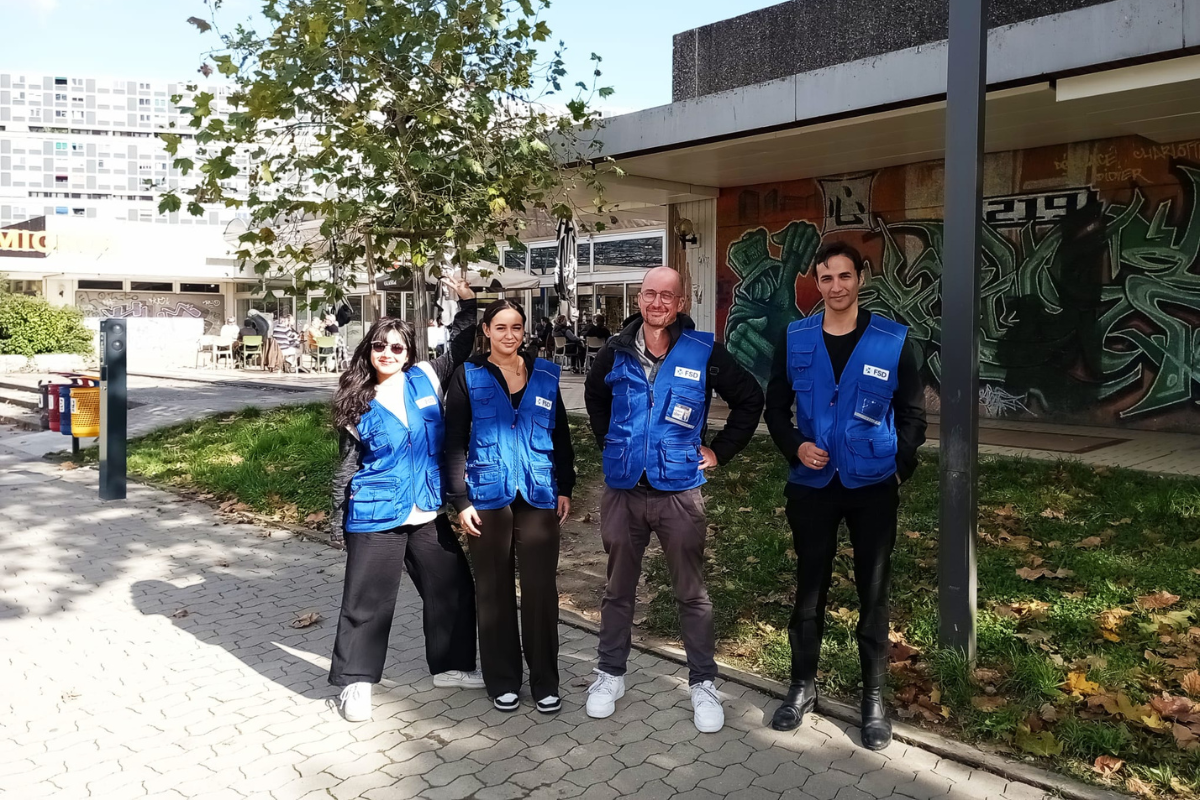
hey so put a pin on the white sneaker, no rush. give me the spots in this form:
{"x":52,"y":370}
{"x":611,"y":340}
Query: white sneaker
{"x":604,"y":694}
{"x":456,"y":678}
{"x":709,"y":716}
{"x":355,"y":702}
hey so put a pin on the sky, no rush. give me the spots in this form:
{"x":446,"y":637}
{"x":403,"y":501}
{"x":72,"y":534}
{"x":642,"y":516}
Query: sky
{"x":150,"y":39}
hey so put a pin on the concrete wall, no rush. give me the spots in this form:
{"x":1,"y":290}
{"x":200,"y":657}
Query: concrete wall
{"x":156,"y":343}
{"x":803,"y":35}
{"x":1090,"y":283}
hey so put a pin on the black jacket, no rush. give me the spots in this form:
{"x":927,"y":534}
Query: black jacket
{"x":726,"y":376}
{"x":458,"y":435}
{"x":462,"y":342}
{"x":908,"y":403}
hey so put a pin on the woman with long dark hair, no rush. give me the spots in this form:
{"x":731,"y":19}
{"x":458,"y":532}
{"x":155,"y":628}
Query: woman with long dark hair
{"x":510,"y":469}
{"x":387,"y":497}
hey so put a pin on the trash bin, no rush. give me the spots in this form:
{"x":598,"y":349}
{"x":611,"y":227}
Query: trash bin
{"x":85,"y":411}
{"x":48,"y":405}
{"x":64,"y":409}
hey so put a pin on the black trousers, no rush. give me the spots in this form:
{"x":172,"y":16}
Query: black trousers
{"x":375,"y":563}
{"x":518,"y":532}
{"x":870,"y":515}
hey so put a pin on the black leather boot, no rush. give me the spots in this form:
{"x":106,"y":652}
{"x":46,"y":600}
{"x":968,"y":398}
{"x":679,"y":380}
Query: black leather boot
{"x":876,"y":730}
{"x":801,"y":698}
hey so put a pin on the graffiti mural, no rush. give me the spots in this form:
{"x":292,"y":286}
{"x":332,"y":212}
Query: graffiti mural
{"x":209,"y":308}
{"x":1090,"y":283}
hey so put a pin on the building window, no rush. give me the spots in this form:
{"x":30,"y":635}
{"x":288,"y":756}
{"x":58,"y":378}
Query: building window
{"x":542,"y":260}
{"x":144,"y":86}
{"x":60,"y":114}
{"x":641,"y":252}
{"x":151,"y":286}
{"x":109,"y":285}
{"x":60,"y":179}
{"x":100,"y":163}
{"x":76,"y":98}
{"x":60,"y":97}
{"x":143,"y":101}
{"x":515,"y":259}
{"x":35,"y":113}
{"x":201,"y":288}
{"x":143,"y":117}
{"x":61,"y":145}
{"x":77,"y":81}
{"x":61,"y":210}
{"x":60,"y":81}
{"x":76,"y":147}
{"x":79,"y":212}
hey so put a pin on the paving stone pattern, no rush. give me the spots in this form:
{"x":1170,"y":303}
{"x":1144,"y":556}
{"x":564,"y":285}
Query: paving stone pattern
{"x":148,"y":652}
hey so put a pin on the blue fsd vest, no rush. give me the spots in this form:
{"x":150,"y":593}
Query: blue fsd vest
{"x":656,"y":428}
{"x":511,"y":449}
{"x":851,"y":420}
{"x":401,"y":464}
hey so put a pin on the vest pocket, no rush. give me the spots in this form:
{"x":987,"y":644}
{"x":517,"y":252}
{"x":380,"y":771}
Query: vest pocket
{"x":616,"y":466}
{"x":541,"y":488}
{"x":433,"y":483}
{"x":804,"y":401}
{"x":373,"y":502}
{"x":871,"y":406}
{"x":684,"y":409}
{"x":543,"y":440}
{"x":377,"y":443}
{"x":872,"y":458}
{"x":484,"y":484}
{"x":680,"y":462}
{"x":800,"y":356}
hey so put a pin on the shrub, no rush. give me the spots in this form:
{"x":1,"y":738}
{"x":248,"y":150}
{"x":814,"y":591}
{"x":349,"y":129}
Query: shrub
{"x":30,"y":326}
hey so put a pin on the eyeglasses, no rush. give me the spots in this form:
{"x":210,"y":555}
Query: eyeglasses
{"x":397,"y":347}
{"x":649,"y":295}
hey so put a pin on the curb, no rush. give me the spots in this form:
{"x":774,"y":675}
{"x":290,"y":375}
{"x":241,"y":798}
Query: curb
{"x":909,"y":734}
{"x":237,"y":383}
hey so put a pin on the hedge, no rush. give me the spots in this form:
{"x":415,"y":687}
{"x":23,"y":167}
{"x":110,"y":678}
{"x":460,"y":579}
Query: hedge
{"x":30,"y":326}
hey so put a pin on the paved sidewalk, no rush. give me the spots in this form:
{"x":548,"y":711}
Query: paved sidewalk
{"x":148,"y":652}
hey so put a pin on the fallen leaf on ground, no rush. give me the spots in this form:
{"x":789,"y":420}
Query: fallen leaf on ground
{"x":181,"y":613}
{"x":989,"y":704}
{"x":1089,"y":542}
{"x":1107,"y":765}
{"x":1139,"y":786}
{"x":1185,"y":737}
{"x":751,"y":559}
{"x":1175,"y":707}
{"x":316,"y":516}
{"x":902,"y":651}
{"x":912,"y":534}
{"x":1051,"y":513}
{"x":1191,"y":683}
{"x":68,"y":465}
{"x":744,"y":509}
{"x":1005,"y":511}
{"x":779,"y":510}
{"x":1039,"y":744}
{"x":1078,"y":684}
{"x":306,"y":620}
{"x":1111,"y":620}
{"x":984,"y":675}
{"x":1169,"y":620}
{"x":1049,"y":712}
{"x":1160,"y":599}
{"x":1031,"y":574}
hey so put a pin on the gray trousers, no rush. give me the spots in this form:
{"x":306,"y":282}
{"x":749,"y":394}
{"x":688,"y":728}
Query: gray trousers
{"x":627,"y":517}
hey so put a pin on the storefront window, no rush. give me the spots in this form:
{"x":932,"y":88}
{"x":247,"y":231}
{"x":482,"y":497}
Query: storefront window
{"x":515,"y":259}
{"x":610,"y":301}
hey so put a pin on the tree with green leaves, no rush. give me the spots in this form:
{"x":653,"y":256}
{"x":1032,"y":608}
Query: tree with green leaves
{"x":388,"y":132}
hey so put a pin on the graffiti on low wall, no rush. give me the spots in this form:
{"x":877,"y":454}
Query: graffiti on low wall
{"x":1090,"y":283}
{"x":209,"y":308}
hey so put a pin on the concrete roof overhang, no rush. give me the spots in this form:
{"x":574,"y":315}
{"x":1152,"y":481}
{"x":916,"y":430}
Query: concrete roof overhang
{"x":1114,"y":69}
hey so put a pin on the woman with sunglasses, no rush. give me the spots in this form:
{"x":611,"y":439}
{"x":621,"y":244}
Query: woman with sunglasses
{"x":510,"y":469}
{"x":387,"y":496}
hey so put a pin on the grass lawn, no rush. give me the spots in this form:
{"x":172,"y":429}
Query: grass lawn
{"x":1089,"y":623}
{"x":1088,"y":586}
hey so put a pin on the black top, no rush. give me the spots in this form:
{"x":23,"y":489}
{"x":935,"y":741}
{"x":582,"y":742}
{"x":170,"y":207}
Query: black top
{"x":565,"y":331}
{"x":599,"y":331}
{"x":908,"y":402}
{"x":458,"y":434}
{"x":726,"y":376}
{"x":462,"y":342}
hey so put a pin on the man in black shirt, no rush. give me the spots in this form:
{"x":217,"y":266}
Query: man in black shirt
{"x":854,"y":381}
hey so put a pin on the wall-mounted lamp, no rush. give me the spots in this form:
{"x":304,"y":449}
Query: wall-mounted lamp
{"x":686,"y":231}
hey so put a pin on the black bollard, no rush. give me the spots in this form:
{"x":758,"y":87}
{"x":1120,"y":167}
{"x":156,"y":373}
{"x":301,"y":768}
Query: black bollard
{"x":114,"y":426}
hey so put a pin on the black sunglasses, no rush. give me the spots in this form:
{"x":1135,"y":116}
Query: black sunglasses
{"x":397,"y":347}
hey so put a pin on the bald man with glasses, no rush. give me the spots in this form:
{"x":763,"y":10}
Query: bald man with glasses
{"x":647,"y":397}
